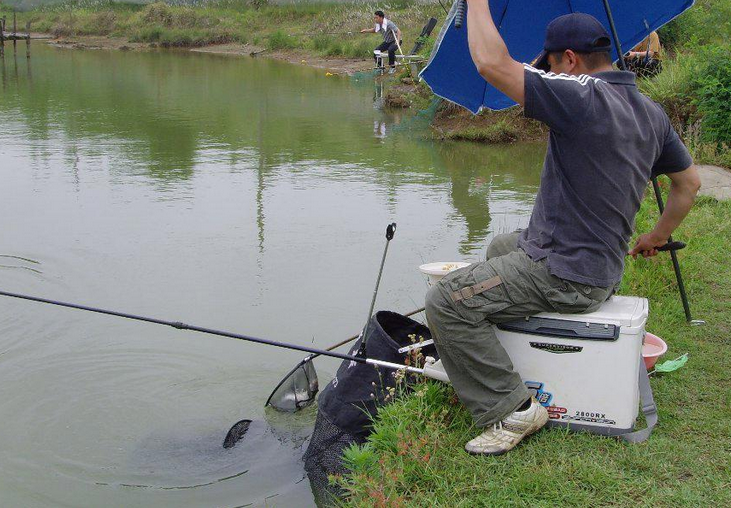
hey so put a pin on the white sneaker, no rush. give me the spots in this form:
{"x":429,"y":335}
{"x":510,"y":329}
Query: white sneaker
{"x":504,"y":435}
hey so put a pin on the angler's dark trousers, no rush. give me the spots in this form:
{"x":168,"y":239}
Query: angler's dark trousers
{"x":391,"y":47}
{"x":462,"y":308}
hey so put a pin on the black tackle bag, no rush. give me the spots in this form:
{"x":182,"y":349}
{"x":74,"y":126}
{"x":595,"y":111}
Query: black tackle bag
{"x":349,"y":402}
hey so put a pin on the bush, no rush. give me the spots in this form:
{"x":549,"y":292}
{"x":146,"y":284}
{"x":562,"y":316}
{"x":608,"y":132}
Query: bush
{"x":695,"y":90}
{"x":673,"y":87}
{"x":147,"y":34}
{"x":712,"y":94}
{"x":157,"y":13}
{"x":707,"y":22}
{"x":359,"y":48}
{"x":280,"y":40}
{"x":321,"y":43}
{"x":102,"y":23}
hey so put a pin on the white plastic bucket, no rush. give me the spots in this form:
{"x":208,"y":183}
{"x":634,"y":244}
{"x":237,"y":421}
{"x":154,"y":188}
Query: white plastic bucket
{"x":435,"y":271}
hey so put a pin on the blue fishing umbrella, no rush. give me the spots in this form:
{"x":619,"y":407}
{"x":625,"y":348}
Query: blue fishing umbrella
{"x":451,"y":74}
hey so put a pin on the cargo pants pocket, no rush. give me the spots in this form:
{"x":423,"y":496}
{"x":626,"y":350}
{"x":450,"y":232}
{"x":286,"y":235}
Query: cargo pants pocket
{"x":572,"y":297}
{"x":476,"y":306}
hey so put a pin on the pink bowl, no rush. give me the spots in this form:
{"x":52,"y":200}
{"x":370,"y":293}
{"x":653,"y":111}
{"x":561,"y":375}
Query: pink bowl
{"x":653,"y":347}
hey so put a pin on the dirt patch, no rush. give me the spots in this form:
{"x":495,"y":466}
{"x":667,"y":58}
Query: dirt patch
{"x":334,"y":65}
{"x":98,"y":43}
{"x":233,"y":49}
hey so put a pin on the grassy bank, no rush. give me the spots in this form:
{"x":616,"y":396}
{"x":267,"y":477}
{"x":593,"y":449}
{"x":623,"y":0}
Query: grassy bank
{"x":415,"y":456}
{"x":324,"y":29}
{"x":456,"y":123}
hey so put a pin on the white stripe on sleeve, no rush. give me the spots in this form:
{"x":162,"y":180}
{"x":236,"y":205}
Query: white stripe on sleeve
{"x":582,"y":79}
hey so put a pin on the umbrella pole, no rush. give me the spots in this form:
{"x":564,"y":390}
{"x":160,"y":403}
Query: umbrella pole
{"x":615,"y":36}
{"x":655,"y":184}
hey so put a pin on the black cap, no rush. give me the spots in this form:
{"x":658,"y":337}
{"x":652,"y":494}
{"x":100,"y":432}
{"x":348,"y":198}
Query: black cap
{"x":578,"y":32}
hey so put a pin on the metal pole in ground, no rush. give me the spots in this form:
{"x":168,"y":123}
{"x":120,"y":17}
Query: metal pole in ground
{"x":655,"y":184}
{"x":676,"y":264}
{"x":15,"y":31}
{"x":27,"y":39}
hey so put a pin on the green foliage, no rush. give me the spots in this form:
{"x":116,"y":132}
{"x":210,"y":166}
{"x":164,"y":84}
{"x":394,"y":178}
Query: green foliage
{"x":707,"y":22}
{"x":280,"y":40}
{"x":695,"y":85}
{"x":500,"y":131}
{"x":428,"y":45}
{"x":712,"y":93}
{"x":695,"y":90}
{"x":673,"y":87}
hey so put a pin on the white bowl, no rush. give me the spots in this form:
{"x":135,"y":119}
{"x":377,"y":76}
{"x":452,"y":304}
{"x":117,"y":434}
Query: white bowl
{"x":437,"y":270}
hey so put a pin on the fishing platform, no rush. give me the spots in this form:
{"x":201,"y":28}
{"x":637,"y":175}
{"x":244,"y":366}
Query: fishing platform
{"x":14,"y":36}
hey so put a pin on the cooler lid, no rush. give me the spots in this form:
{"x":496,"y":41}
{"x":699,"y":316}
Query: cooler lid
{"x":628,"y":311}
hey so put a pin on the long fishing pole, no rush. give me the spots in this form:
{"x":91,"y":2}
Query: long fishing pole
{"x":183,"y":326}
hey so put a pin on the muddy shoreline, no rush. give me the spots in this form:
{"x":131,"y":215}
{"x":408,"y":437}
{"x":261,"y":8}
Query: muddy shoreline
{"x":335,"y":65}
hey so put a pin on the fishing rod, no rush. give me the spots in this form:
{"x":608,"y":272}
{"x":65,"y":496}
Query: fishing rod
{"x":183,"y":326}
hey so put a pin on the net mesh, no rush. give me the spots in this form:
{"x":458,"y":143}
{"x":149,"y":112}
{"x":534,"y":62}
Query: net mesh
{"x":349,"y":402}
{"x":324,"y":457}
{"x":296,"y":390}
{"x":419,"y":122}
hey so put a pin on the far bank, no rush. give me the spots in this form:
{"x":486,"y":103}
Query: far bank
{"x":694,"y":86}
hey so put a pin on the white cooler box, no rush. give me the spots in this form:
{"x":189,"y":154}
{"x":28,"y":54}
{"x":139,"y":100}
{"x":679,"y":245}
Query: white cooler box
{"x":583,"y":368}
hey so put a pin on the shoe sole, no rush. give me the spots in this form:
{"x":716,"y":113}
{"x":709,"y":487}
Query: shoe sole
{"x":535,"y":428}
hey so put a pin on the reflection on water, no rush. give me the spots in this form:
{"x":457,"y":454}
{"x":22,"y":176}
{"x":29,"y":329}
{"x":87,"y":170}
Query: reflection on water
{"x":236,"y":193}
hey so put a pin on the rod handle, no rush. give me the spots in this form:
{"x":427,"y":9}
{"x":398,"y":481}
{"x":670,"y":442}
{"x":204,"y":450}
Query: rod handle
{"x":459,"y":14}
{"x":390,"y":231}
{"x":671,"y":246}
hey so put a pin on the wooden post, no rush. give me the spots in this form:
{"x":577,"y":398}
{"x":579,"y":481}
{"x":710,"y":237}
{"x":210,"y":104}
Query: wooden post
{"x":2,"y":36}
{"x":27,"y":39}
{"x":15,"y":30}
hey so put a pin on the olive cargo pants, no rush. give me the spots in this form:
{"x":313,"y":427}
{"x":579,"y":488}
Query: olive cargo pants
{"x":462,"y":308}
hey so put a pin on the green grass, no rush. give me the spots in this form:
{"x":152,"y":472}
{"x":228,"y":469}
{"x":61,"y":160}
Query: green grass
{"x":415,"y":455}
{"x":500,"y":131}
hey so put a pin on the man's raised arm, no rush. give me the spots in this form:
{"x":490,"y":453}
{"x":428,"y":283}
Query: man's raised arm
{"x":490,"y":53}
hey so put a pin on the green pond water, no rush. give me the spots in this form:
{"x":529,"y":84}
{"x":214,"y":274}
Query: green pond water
{"x":234,"y":193}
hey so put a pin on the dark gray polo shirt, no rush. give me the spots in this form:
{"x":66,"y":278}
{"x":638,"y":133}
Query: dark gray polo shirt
{"x":606,"y":141}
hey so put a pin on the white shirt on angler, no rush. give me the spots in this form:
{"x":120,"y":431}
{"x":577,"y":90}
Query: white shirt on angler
{"x":382,"y":26}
